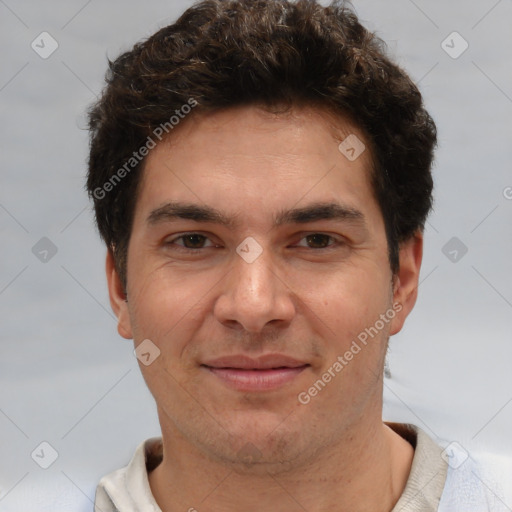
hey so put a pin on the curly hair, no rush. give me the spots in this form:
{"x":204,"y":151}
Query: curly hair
{"x":226,"y":53}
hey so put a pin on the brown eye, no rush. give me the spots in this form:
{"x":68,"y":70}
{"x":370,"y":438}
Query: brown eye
{"x":189,"y":242}
{"x":317,"y":240}
{"x":193,"y":241}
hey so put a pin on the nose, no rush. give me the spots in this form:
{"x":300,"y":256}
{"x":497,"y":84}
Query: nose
{"x":254,"y":295}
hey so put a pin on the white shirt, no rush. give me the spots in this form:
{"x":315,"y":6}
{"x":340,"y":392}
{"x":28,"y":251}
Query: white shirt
{"x":433,"y":484}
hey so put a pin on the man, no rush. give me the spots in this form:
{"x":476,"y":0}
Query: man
{"x":260,"y":172}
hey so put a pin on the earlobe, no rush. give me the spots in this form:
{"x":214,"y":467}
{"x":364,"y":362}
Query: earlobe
{"x":405,"y":289}
{"x":118,"y":298}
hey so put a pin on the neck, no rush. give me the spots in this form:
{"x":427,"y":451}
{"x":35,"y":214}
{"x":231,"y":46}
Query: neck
{"x":366,"y":470}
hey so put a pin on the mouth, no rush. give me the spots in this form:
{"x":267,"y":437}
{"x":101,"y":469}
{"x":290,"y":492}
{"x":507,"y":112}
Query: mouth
{"x":265,"y":373}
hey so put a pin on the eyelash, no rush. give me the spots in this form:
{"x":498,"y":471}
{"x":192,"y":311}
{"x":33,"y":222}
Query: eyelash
{"x":337,"y":242}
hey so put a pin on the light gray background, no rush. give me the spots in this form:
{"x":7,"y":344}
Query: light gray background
{"x":67,"y":378}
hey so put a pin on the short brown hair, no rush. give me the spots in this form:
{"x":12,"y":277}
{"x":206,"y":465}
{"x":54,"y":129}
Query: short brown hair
{"x":225,"y":53}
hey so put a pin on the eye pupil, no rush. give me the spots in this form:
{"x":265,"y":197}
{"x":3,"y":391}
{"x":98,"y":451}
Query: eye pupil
{"x":318,"y":238}
{"x":193,"y":238}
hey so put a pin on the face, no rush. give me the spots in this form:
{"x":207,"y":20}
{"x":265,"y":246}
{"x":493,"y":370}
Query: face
{"x":257,"y":264}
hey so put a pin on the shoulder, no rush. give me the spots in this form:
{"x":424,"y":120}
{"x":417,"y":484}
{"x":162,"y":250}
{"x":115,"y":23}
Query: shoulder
{"x":453,"y":479}
{"x":476,"y":482}
{"x":127,"y":489}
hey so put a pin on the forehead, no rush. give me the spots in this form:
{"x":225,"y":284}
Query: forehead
{"x":245,"y":157}
{"x":297,"y":132}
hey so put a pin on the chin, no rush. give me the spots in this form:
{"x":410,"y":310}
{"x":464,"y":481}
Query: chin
{"x":261,"y":444}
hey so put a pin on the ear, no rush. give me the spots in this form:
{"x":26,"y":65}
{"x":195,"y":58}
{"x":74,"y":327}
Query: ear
{"x":405,"y":283}
{"x":118,"y":298}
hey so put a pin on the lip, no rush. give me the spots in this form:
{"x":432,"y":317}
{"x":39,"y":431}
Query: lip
{"x":264,"y":362}
{"x":265,"y":373}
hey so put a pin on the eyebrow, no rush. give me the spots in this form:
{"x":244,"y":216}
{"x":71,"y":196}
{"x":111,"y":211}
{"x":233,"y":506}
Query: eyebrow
{"x":310,"y":213}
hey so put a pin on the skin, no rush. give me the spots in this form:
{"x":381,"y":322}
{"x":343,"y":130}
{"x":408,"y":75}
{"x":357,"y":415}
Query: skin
{"x":297,"y":298}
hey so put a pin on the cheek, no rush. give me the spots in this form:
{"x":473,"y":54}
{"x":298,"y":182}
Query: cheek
{"x":345,"y":302}
{"x":334,"y":301}
{"x":170,"y":309}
